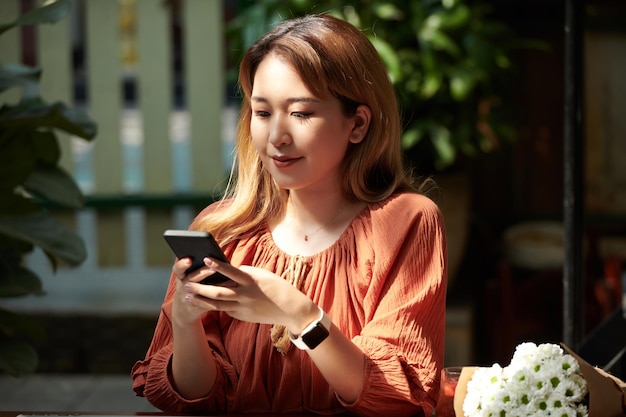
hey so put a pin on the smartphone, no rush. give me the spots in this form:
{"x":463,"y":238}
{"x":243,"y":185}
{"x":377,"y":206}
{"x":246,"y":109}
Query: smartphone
{"x":196,"y":245}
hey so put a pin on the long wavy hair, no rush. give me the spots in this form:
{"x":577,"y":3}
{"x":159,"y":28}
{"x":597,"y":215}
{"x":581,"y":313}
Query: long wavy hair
{"x":332,"y":57}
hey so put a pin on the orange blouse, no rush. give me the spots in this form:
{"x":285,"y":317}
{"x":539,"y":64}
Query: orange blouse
{"x":383,"y":283}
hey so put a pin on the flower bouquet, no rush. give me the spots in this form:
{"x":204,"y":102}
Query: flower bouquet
{"x":541,"y":380}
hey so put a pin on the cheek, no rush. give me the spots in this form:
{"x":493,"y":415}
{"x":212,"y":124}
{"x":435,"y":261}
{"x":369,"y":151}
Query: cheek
{"x":258,"y":146}
{"x":257,"y":136}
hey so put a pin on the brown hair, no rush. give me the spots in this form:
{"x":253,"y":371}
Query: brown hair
{"x":332,"y":57}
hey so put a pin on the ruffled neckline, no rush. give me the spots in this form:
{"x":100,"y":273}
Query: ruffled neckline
{"x":347,"y":235}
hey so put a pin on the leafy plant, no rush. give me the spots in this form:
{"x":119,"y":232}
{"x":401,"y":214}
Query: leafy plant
{"x":449,"y":62}
{"x":30,"y":181}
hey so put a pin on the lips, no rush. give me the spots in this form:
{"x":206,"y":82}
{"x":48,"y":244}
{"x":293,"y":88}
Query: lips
{"x":282,"y":161}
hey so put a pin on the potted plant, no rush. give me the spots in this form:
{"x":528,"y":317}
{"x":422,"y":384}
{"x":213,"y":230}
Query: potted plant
{"x":31,"y":181}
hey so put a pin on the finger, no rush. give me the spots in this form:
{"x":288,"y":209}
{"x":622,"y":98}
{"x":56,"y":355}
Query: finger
{"x":218,"y":302}
{"x":181,"y":271}
{"x":180,"y":267}
{"x":199,"y":274}
{"x":237,"y":275}
{"x":211,"y":292}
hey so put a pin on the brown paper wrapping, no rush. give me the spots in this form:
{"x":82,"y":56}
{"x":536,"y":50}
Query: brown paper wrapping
{"x":607,"y":394}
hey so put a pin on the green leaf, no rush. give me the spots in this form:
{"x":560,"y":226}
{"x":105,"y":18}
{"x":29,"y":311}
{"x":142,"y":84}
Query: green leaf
{"x":17,"y":75}
{"x":46,"y":147}
{"x":389,"y":57}
{"x":432,"y":83}
{"x":35,"y":113}
{"x":352,"y":16}
{"x":462,"y":83}
{"x":18,"y":281}
{"x":17,"y":358}
{"x":503,"y":61}
{"x":411,"y":137}
{"x":388,"y":11}
{"x":441,"y":139}
{"x":53,"y":184}
{"x":50,"y":13}
{"x":17,"y":159}
{"x":429,"y":59}
{"x":455,"y":18}
{"x":45,"y":231}
{"x":12,"y":250}
{"x":439,"y":40}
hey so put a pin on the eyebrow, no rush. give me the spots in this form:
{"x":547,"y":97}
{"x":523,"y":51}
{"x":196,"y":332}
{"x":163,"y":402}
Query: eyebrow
{"x":290,"y":100}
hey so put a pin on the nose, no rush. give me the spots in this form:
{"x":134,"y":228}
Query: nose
{"x":279,"y":131}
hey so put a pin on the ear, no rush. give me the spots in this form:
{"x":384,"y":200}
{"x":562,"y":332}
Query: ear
{"x":361,"y":120}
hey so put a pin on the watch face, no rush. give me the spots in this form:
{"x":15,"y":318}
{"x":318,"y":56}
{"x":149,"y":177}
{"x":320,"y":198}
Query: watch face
{"x":315,"y":336}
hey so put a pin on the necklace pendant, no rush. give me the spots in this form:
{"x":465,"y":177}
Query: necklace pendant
{"x":306,"y":238}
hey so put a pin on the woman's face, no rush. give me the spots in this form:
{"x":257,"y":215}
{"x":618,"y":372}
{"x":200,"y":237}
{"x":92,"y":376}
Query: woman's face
{"x":300,"y":138}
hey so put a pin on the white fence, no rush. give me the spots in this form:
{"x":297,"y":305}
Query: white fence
{"x":151,"y":148}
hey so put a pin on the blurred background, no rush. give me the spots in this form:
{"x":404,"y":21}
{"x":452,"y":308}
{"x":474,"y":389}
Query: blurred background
{"x":482,"y":86}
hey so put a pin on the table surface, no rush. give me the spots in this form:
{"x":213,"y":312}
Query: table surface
{"x":71,"y":393}
{"x":75,"y":395}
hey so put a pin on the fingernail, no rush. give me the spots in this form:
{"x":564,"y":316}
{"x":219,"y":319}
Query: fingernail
{"x":188,"y":297}
{"x":209,"y":263}
{"x":188,"y":286}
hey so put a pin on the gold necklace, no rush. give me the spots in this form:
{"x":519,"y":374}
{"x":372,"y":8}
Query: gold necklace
{"x":307,"y":236}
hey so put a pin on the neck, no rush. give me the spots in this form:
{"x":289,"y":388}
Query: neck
{"x":315,"y":210}
{"x":311,"y":225}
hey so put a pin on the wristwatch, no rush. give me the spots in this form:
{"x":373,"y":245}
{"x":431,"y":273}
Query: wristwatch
{"x":313,"y":334}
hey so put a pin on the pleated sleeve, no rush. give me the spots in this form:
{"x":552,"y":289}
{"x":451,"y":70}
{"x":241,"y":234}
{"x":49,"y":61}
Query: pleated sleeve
{"x":403,"y":308}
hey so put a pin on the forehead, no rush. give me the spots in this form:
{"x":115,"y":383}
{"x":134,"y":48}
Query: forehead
{"x":275,"y":75}
{"x":277,"y":68}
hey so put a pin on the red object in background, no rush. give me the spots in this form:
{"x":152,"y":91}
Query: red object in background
{"x":608,"y":290}
{"x":449,"y":381}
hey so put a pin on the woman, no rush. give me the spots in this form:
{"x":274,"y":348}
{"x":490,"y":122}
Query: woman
{"x":332,"y":250}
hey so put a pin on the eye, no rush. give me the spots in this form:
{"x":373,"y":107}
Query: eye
{"x":301,"y":115}
{"x":261,"y":114}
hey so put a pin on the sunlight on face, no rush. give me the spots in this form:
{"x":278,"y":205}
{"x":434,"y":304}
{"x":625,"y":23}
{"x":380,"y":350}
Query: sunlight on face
{"x":300,"y":138}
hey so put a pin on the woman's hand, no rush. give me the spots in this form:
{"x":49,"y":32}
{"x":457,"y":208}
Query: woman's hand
{"x":252,"y":294}
{"x":194,"y":369}
{"x":184,"y":311}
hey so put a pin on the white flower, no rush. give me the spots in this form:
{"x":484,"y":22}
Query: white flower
{"x":540,"y":381}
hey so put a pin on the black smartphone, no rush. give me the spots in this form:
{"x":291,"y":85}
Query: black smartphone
{"x":196,"y":245}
